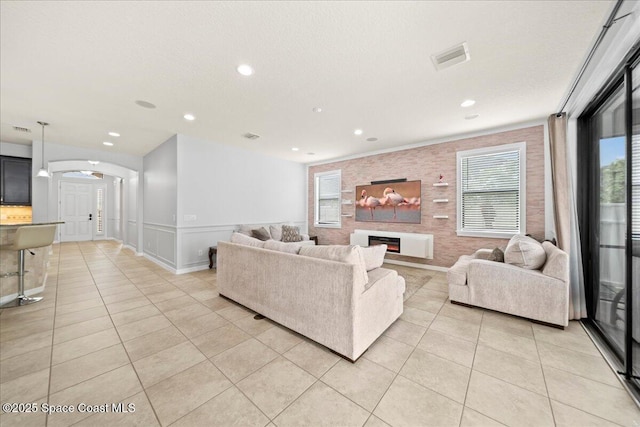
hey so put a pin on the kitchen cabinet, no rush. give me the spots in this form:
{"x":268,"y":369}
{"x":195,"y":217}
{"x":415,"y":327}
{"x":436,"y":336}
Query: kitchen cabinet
{"x":15,"y":181}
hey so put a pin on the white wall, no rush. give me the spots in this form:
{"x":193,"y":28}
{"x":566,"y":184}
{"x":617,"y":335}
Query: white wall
{"x":211,"y":189}
{"x":160,"y":182}
{"x":222,"y":185}
{"x":15,"y":150}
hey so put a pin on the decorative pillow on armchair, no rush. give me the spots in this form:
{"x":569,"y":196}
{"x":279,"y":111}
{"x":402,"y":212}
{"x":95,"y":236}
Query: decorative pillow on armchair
{"x":374,"y":256}
{"x":243,"y":239}
{"x":525,"y":252}
{"x":291,"y":233}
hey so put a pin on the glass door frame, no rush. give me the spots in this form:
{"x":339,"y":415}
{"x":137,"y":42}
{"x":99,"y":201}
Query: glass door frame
{"x":588,"y":209}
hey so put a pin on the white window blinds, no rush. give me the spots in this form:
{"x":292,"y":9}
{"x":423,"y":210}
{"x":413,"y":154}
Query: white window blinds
{"x":328,"y":196}
{"x":635,"y":187}
{"x":491,"y":190}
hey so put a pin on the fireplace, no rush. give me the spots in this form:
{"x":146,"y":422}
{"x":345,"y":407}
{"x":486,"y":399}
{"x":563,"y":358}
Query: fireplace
{"x":393,"y":243}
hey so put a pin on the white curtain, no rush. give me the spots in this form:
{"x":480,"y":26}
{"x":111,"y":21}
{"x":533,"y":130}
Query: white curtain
{"x":565,"y":211}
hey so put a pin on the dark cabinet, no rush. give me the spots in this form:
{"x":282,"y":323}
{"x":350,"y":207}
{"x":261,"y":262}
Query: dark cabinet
{"x":15,"y":181}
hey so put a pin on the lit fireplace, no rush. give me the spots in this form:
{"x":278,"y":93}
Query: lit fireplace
{"x":393,"y":243}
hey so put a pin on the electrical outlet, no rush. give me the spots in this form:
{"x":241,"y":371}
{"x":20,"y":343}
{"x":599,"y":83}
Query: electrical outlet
{"x":200,"y":252}
{"x":190,"y":217}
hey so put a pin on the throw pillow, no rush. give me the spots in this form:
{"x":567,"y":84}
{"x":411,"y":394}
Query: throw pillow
{"x":525,"y":252}
{"x":342,"y":253}
{"x":274,"y":245}
{"x":261,"y":234}
{"x":245,"y":229}
{"x":243,"y":239}
{"x":276,"y":232}
{"x":374,"y":256}
{"x":497,"y":255}
{"x":291,"y":233}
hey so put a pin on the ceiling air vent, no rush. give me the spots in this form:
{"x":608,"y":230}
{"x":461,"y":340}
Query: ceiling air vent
{"x":250,"y":135}
{"x":21,"y":129}
{"x":452,"y":56}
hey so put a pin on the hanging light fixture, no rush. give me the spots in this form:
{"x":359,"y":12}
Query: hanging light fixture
{"x":43,"y":173}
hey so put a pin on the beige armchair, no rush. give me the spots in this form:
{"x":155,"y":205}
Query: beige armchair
{"x":541,"y":295}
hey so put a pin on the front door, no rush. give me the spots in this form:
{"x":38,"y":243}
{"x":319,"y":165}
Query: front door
{"x":76,"y":212}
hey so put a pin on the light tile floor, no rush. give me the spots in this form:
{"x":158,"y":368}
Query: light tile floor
{"x":116,"y":328}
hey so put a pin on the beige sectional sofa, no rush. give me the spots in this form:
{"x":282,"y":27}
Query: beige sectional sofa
{"x":335,"y":303}
{"x":540,"y":293}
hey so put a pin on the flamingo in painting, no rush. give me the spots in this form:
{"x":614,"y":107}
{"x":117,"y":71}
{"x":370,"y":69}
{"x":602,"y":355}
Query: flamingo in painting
{"x":393,"y":198}
{"x":368,"y":202}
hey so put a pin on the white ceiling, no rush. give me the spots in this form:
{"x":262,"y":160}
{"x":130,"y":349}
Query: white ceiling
{"x":81,"y":66}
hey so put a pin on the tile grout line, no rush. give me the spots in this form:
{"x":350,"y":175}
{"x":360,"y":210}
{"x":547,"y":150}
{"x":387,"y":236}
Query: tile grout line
{"x":53,"y":329}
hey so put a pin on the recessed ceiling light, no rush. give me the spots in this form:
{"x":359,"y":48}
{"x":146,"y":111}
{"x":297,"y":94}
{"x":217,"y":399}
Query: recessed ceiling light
{"x":467,"y":103}
{"x":107,"y":143}
{"x":189,"y":117}
{"x":372,"y":139}
{"x":93,"y":162}
{"x":311,"y":154}
{"x":472,"y":116}
{"x":245,"y":70}
{"x":357,"y":132}
{"x":294,"y":148}
{"x":116,"y":134}
{"x":317,"y":110}
{"x":145,"y":104}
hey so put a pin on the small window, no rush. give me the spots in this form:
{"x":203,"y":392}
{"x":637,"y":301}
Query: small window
{"x":491,"y":191}
{"x":327,"y":199}
{"x":100,"y":211}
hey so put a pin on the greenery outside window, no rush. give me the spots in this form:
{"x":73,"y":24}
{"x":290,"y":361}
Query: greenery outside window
{"x":327,"y":198}
{"x":491,"y":191}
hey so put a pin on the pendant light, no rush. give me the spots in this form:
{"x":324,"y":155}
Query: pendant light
{"x":43,"y":173}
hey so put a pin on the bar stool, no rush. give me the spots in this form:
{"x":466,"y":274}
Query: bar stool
{"x":31,"y":237}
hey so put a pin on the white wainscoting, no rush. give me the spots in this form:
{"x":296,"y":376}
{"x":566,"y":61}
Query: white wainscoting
{"x":160,"y":243}
{"x":411,"y":244}
{"x":131,"y":240}
{"x":193,"y":243}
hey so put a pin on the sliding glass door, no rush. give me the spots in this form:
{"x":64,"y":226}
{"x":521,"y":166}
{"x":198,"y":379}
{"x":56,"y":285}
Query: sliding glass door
{"x":609,"y":172}
{"x":611,"y":227}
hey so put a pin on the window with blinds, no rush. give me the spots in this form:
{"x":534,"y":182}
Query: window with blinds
{"x":327,"y":198}
{"x":491,"y":191}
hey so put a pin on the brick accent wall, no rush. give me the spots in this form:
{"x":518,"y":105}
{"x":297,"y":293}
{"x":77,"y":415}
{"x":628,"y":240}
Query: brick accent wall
{"x":426,"y":164}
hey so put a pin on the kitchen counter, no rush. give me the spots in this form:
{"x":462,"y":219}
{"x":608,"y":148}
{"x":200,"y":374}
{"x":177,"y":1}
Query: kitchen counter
{"x":36,"y":277}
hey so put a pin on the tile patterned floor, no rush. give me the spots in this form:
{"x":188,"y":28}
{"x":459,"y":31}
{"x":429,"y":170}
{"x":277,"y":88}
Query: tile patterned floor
{"x":116,"y":328}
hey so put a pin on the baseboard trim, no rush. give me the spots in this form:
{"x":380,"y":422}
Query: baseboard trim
{"x":193,"y":269}
{"x":416,"y":265}
{"x":160,"y":263}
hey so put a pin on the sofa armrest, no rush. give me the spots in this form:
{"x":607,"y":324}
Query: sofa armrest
{"x":483,"y":271}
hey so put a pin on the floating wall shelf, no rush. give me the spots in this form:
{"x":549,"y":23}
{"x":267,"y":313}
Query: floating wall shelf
{"x":441,"y":184}
{"x":440,"y":200}
{"x":346,"y":215}
{"x":441,"y":216}
{"x":347,"y":202}
{"x":347,"y":191}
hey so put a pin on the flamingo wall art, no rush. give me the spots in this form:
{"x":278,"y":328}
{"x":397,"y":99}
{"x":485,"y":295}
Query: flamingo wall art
{"x":390,"y":202}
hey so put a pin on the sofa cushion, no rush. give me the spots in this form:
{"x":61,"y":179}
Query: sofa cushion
{"x":291,"y":233}
{"x":276,"y":232}
{"x":342,"y":253}
{"x":260,"y":234}
{"x":274,"y":245}
{"x":243,"y":239}
{"x":377,"y":274}
{"x":457,"y":274}
{"x":374,"y":256}
{"x":523,"y":251}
